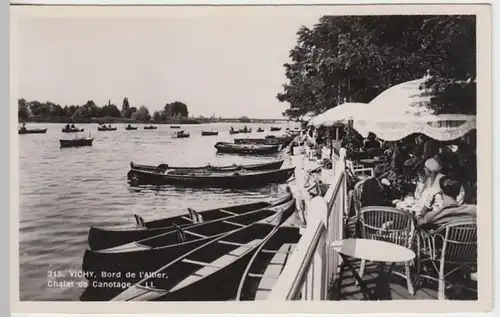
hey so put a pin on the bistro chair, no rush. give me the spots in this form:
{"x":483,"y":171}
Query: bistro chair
{"x":391,"y":225}
{"x":449,"y":248}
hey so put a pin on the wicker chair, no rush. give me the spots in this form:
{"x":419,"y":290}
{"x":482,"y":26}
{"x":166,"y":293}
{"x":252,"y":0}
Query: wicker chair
{"x":390,"y":225}
{"x":447,"y":249}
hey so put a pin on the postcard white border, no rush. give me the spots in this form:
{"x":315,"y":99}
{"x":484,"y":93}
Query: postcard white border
{"x":484,"y":117}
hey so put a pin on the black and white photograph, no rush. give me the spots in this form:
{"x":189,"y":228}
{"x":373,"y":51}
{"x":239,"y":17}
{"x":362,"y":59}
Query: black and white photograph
{"x":251,"y":153}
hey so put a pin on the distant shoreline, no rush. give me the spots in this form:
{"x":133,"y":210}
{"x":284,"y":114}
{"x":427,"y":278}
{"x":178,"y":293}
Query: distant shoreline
{"x":111,"y":120}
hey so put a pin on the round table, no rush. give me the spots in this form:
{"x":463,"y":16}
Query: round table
{"x":371,"y":250}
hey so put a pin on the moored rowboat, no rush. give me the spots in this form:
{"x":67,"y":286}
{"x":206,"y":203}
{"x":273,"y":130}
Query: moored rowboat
{"x":209,"y":133}
{"x":232,"y":179}
{"x":267,"y":263}
{"x":150,"y":127}
{"x":206,"y":273}
{"x":106,"y":128}
{"x":132,"y":262}
{"x":161,"y":168}
{"x":225,"y":147}
{"x":102,"y":238}
{"x":72,"y":130}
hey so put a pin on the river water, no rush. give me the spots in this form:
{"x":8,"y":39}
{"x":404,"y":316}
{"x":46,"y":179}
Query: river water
{"x":65,"y":191}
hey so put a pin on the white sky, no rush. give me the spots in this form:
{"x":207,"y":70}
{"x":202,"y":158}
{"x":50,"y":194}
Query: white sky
{"x":229,"y":65}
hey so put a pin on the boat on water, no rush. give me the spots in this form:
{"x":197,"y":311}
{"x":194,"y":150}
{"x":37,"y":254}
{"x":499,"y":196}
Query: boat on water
{"x":100,"y":238}
{"x":76,"y":142}
{"x":181,"y":135}
{"x":23,"y":130}
{"x":254,"y":149}
{"x":267,"y":263}
{"x":132,"y":262}
{"x":175,"y":127}
{"x":71,"y":129}
{"x":211,"y":132}
{"x":275,"y":128}
{"x":162,"y":168}
{"x":219,"y":179}
{"x":207,"y":271}
{"x":233,"y":131}
{"x":106,"y":128}
{"x":150,"y":127}
{"x":246,"y":130}
{"x":129,"y":127}
{"x":260,"y":130}
{"x":258,"y":141}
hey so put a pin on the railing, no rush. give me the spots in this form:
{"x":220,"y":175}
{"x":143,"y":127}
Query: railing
{"x":313,"y":264}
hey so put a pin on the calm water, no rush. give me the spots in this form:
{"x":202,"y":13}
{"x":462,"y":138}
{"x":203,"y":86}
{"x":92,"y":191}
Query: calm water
{"x":65,"y":191}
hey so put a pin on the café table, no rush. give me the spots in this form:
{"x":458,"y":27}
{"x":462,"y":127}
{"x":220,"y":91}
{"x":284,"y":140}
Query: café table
{"x":371,"y":250}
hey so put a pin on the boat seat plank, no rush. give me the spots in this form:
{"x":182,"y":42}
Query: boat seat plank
{"x":263,"y":275}
{"x":139,"y":293}
{"x":233,"y":223}
{"x":214,"y":266}
{"x":132,"y":246}
{"x":186,"y":218}
{"x":228,"y":212}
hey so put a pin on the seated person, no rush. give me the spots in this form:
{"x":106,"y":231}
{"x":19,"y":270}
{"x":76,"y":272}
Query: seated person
{"x":370,"y":142}
{"x":442,"y":207}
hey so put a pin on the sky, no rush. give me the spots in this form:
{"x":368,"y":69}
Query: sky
{"x":230,"y":65}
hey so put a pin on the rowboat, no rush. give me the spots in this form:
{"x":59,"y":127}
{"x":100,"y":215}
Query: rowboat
{"x":206,"y":272}
{"x":260,"y":130}
{"x":103,"y":128}
{"x":161,"y":168}
{"x":260,"y":141}
{"x":208,"y":133}
{"x":100,"y":238}
{"x":275,"y":128}
{"x":267,"y":263}
{"x":225,"y":147}
{"x":232,"y":179}
{"x":181,"y":135}
{"x":234,"y":131}
{"x":129,"y":127}
{"x":246,"y":130}
{"x":151,"y":127}
{"x":72,"y":130}
{"x":175,"y":127}
{"x":32,"y":131}
{"x":131,"y":262}
{"x":76,"y":142}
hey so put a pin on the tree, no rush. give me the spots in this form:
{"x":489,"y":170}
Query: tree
{"x":126,"y":108}
{"x":142,"y":114}
{"x":132,"y":110}
{"x":22,"y":109}
{"x":157,"y":115}
{"x":176,"y":108}
{"x":354,"y":58}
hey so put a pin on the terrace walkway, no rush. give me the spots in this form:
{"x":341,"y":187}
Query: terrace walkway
{"x":394,"y":289}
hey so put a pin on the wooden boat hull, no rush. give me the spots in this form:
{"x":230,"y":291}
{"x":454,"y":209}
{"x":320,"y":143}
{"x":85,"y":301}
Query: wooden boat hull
{"x":130,"y":128}
{"x":76,"y":142}
{"x":236,"y":179}
{"x":226,"y":168}
{"x":175,"y":127}
{"x":72,"y":130}
{"x":207,"y":272}
{"x":265,"y":267}
{"x":182,"y":136}
{"x":275,"y":129}
{"x":260,"y":141}
{"x":234,"y":132}
{"x":209,"y":133}
{"x":103,"y":238}
{"x":131,"y":266}
{"x":32,"y":131}
{"x":106,"y":129}
{"x":150,"y":128}
{"x":223,"y":147}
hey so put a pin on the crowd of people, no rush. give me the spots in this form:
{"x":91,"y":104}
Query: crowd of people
{"x":438,"y":179}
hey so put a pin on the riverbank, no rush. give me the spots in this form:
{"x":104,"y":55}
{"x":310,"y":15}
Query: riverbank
{"x":133,"y":121}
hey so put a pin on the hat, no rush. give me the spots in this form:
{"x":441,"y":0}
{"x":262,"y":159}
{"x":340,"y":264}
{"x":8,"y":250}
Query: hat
{"x":433,"y":165}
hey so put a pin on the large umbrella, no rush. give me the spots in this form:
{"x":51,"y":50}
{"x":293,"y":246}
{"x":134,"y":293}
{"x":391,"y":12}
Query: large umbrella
{"x":340,"y":114}
{"x":404,"y":109}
